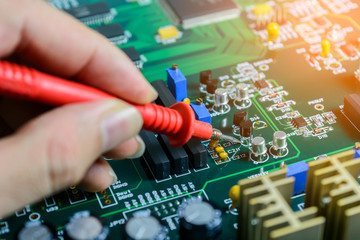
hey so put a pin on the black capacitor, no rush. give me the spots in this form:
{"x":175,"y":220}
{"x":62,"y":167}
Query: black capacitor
{"x":142,"y":225}
{"x":36,"y":231}
{"x":246,"y":128}
{"x":205,"y":76}
{"x":212,"y":85}
{"x":199,"y":219}
{"x":83,"y":225}
{"x":239,"y":117}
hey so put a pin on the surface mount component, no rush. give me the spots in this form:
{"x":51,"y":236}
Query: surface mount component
{"x":191,"y":13}
{"x":265,"y":211}
{"x":114,"y":32}
{"x":261,"y":84}
{"x":332,"y":185}
{"x":299,"y":122}
{"x":92,"y":13}
{"x":199,"y":219}
{"x":134,"y":56}
{"x":143,"y":225}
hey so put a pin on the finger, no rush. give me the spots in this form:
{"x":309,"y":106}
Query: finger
{"x":69,"y":50}
{"x":99,"y":177}
{"x":132,"y":148}
{"x":56,"y":149}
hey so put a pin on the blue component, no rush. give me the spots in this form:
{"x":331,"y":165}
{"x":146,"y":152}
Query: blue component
{"x":299,"y":172}
{"x":201,"y":112}
{"x":357,"y":153}
{"x":176,"y":82}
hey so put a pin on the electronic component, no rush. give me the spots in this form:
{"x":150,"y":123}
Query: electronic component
{"x":199,"y":219}
{"x":83,"y":225}
{"x":242,"y":95}
{"x":134,"y":56}
{"x":349,"y":50}
{"x":212,"y":85}
{"x":142,"y":225}
{"x":258,"y":148}
{"x":190,"y":13}
{"x":114,"y":32}
{"x":205,"y":76}
{"x":201,"y":112}
{"x":155,"y":156}
{"x":179,"y":159}
{"x":36,"y":231}
{"x":197,"y":153}
{"x":299,"y":172}
{"x":273,"y":30}
{"x":92,"y":13}
{"x":261,"y":84}
{"x":357,"y":150}
{"x":239,"y":117}
{"x":246,"y":128}
{"x":332,"y":186}
{"x":168,"y":33}
{"x":177,"y":83}
{"x":352,"y":108}
{"x":279,"y":140}
{"x":325,"y":48}
{"x":221,"y":100}
{"x":299,"y":122}
{"x":165,"y":97}
{"x":264,"y":211}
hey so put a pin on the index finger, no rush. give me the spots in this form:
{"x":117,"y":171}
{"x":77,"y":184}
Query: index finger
{"x":52,"y":41}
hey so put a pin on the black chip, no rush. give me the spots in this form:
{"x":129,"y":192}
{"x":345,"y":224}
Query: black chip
{"x":260,"y":84}
{"x":299,"y":122}
{"x":89,"y":10}
{"x":111,"y":30}
{"x":192,"y":13}
{"x":132,"y":53}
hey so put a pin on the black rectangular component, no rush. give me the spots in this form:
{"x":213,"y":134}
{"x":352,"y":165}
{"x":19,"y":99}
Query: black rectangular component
{"x":155,"y":156}
{"x":89,"y":10}
{"x":132,"y":53}
{"x":299,"y":122}
{"x":111,"y":30}
{"x":179,"y":159}
{"x":165,"y":98}
{"x":197,"y":153}
{"x":352,"y":108}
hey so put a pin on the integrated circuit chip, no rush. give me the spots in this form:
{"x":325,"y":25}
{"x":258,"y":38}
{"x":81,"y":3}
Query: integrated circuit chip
{"x":92,"y":13}
{"x":190,"y":13}
{"x":114,"y":32}
{"x":260,"y":84}
{"x":133,"y":55}
{"x":299,"y":122}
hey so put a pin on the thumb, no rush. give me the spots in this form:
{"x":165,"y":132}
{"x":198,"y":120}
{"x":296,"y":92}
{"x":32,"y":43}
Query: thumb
{"x":58,"y":148}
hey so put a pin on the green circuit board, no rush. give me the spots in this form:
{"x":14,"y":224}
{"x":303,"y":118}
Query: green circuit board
{"x":300,"y":83}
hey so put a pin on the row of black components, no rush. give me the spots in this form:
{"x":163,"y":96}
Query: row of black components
{"x":352,"y":108}
{"x":155,"y":156}
{"x":92,"y":13}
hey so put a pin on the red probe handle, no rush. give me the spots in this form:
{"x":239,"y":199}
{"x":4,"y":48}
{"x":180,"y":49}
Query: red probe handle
{"x":177,"y":123}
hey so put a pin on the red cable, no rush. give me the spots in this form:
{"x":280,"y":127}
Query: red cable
{"x":177,"y":122}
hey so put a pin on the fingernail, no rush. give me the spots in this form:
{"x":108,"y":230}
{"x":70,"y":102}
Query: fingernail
{"x":113,"y":174}
{"x":141,"y":148}
{"x":119,"y":126}
{"x":155,"y":93}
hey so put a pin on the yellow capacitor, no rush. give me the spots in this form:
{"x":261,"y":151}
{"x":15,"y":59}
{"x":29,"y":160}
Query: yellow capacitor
{"x":234,"y":195}
{"x":326,"y":46}
{"x":168,"y":32}
{"x":186,"y":100}
{"x":219,"y":149}
{"x":273,"y":30}
{"x":223,"y":155}
{"x":262,"y":9}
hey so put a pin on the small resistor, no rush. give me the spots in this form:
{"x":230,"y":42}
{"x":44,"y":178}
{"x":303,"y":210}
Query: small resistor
{"x":281,"y":104}
{"x":273,"y":95}
{"x":317,"y":130}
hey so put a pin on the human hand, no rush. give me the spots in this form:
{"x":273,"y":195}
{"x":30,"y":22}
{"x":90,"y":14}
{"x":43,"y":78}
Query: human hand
{"x":63,"y":147}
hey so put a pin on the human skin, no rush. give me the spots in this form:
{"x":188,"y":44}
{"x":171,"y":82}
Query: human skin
{"x":64,"y":146}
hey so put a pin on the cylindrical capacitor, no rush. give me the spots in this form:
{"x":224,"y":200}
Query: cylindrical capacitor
{"x":239,"y":117}
{"x":212,"y":85}
{"x":246,"y":128}
{"x":36,"y":231}
{"x":221,"y":97}
{"x":259,"y":146}
{"x":205,"y":76}
{"x":279,"y":140}
{"x":144,"y":226}
{"x":242,"y":92}
{"x":199,"y":219}
{"x":83,"y":225}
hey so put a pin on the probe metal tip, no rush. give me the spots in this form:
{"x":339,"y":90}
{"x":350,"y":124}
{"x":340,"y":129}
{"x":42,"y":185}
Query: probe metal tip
{"x":217,"y":135}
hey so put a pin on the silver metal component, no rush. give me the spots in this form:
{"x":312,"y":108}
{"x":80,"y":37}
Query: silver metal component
{"x":35,"y":231}
{"x":279,"y":140}
{"x":84,"y":227}
{"x":221,"y":100}
{"x":230,"y":139}
{"x":242,"y":92}
{"x":259,"y":146}
{"x":217,"y":135}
